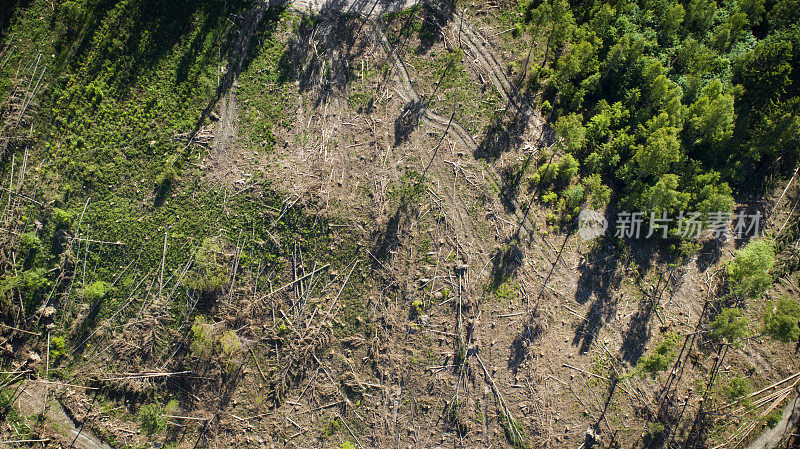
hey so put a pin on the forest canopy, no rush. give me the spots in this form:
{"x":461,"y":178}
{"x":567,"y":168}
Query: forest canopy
{"x":677,"y":103}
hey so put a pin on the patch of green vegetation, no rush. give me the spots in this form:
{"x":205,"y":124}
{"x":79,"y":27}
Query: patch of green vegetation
{"x":30,"y":285}
{"x":207,"y":341}
{"x":417,"y":307}
{"x":333,"y":426}
{"x":210,"y":270}
{"x":515,"y":433}
{"x":361,"y":101}
{"x":737,"y":390}
{"x":58,"y":348}
{"x":602,"y":365}
{"x":773,"y":418}
{"x":133,"y":77}
{"x":407,"y":190}
{"x":151,"y":417}
{"x":267,"y":94}
{"x":749,"y":269}
{"x":96,"y":291}
{"x":673,"y":103}
{"x":230,"y":346}
{"x":558,"y":174}
{"x":654,"y":428}
{"x":22,"y":426}
{"x":780,"y":321}
{"x":731,"y":326}
{"x":661,"y":357}
{"x":454,"y":417}
{"x":202,"y":336}
{"x":507,"y":291}
{"x":599,"y":194}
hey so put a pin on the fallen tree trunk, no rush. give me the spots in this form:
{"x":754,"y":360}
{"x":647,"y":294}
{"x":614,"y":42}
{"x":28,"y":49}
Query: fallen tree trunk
{"x":772,"y":438}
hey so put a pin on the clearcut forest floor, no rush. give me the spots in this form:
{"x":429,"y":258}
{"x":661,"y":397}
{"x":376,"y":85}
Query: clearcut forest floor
{"x":552,"y":330}
{"x":457,"y":316}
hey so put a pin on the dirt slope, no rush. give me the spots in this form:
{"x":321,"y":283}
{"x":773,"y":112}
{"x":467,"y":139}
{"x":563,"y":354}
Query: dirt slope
{"x":32,"y":402}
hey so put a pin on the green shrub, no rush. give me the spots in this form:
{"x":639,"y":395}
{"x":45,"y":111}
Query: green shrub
{"x":416,"y":307}
{"x":58,"y":348}
{"x":151,"y":419}
{"x":6,"y":402}
{"x":574,"y":196}
{"x":570,"y":128}
{"x":515,"y":433}
{"x":230,"y":345}
{"x":749,"y":269}
{"x":63,"y":219}
{"x":567,"y":169}
{"x":688,"y":248}
{"x":202,"y":337}
{"x":533,"y":181}
{"x":507,"y":291}
{"x":208,"y":341}
{"x":30,"y":242}
{"x":96,"y":290}
{"x":599,"y":193}
{"x":30,"y":283}
{"x":730,"y":326}
{"x":773,"y":418}
{"x":71,"y":14}
{"x":654,"y":428}
{"x":547,"y":174}
{"x":737,"y":389}
{"x":781,"y":321}
{"x":593,"y":162}
{"x":332,"y":427}
{"x":661,"y":357}
{"x":209,"y":271}
{"x":166,"y":177}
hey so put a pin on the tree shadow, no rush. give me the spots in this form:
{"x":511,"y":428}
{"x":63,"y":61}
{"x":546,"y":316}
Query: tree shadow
{"x":87,"y":324}
{"x":241,"y":49}
{"x":506,"y":128}
{"x":7,"y":9}
{"x":387,"y":240}
{"x":324,"y":45}
{"x":599,"y":277}
{"x":506,"y":260}
{"x":701,"y":427}
{"x":592,"y":439}
{"x":161,"y":192}
{"x":511,"y":177}
{"x":504,"y":132}
{"x":533,"y":328}
{"x":601,"y":310}
{"x":435,"y":15}
{"x":153,"y":29}
{"x":407,"y":121}
{"x":709,"y":255}
{"x":638,"y":332}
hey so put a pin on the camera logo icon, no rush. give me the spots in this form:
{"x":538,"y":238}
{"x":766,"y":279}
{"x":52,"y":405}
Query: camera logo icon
{"x":591,"y":224}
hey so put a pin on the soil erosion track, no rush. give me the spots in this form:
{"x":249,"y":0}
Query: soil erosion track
{"x":32,"y":401}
